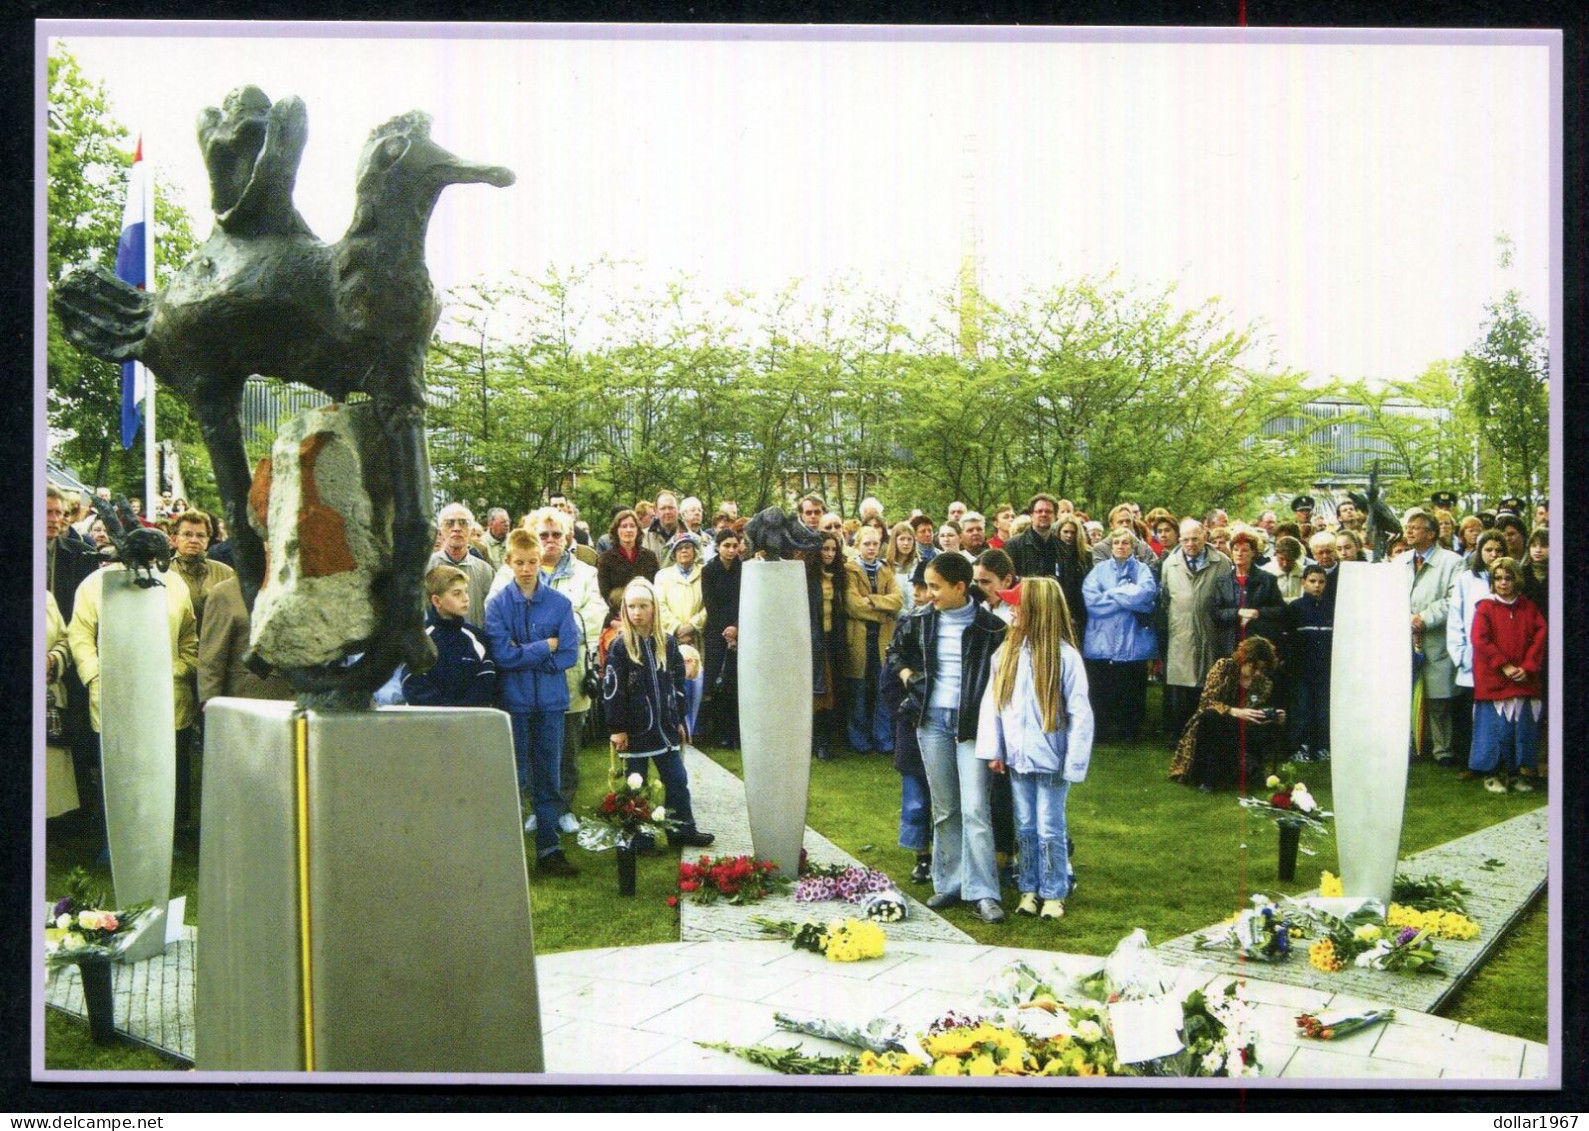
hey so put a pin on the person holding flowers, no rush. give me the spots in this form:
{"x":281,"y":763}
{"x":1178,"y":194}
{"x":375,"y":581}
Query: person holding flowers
{"x":644,"y":702}
{"x":1036,"y":723}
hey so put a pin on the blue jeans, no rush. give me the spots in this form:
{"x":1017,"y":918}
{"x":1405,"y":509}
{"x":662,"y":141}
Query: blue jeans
{"x":962,"y":826}
{"x":871,"y":728}
{"x":675,"y":785}
{"x":915,"y":813}
{"x":538,"y":747}
{"x":1500,"y":745}
{"x":1040,"y":832}
{"x":693,"y":690}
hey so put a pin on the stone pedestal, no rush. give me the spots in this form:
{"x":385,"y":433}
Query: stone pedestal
{"x":1370,"y":720}
{"x":364,"y":899}
{"x":775,"y":707}
{"x":138,"y":749}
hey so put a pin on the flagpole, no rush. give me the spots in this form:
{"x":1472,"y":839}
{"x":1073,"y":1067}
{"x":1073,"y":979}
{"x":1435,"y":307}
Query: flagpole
{"x":151,"y":474}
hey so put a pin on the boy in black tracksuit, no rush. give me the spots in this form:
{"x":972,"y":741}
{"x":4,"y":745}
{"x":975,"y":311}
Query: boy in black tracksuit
{"x":1312,"y":633}
{"x":463,"y":674}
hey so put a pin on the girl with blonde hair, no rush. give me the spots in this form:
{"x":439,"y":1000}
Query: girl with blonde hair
{"x":1036,"y":723}
{"x":645,"y":703}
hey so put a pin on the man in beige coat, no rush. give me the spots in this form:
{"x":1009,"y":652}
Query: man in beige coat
{"x":872,"y":600}
{"x":1187,"y":583}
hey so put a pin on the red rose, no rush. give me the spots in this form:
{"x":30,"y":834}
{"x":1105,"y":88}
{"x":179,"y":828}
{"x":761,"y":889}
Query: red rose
{"x":1281,"y":800}
{"x":673,"y":901}
{"x":688,"y":885}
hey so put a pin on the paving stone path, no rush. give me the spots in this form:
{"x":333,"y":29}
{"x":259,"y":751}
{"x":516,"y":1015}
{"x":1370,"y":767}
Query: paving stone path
{"x":1501,"y":893}
{"x":718,"y":799}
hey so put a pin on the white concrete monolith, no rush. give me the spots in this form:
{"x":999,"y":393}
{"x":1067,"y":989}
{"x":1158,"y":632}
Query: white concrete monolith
{"x":138,"y":752}
{"x":1370,"y":719}
{"x":775,"y":707}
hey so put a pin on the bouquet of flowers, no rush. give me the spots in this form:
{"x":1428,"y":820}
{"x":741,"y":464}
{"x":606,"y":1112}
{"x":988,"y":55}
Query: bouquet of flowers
{"x":626,"y":811}
{"x":1026,"y":1028}
{"x":738,"y":879}
{"x":1290,"y":803}
{"x":1261,"y":933}
{"x":956,"y":1046}
{"x":1333,"y":1026}
{"x":1363,"y":939}
{"x":1430,"y":893}
{"x":850,"y":883}
{"x":1217,"y":1032}
{"x":1440,"y":924}
{"x":842,"y":940}
{"x":885,"y":906}
{"x":79,"y":926}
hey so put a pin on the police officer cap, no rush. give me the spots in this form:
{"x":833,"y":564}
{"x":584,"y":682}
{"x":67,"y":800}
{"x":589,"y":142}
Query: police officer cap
{"x":1302,"y":503}
{"x":1445,"y":500}
{"x":1510,"y":505}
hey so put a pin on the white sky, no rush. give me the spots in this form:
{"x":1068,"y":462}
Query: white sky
{"x":1346,"y":196}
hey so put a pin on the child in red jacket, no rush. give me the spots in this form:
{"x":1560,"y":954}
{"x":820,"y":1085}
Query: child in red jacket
{"x":1508,"y":656}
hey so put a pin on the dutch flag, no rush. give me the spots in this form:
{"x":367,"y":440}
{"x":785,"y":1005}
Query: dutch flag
{"x":134,"y":250}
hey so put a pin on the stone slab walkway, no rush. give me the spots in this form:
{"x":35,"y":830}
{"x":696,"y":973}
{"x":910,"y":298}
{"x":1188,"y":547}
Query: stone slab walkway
{"x":718,"y":799}
{"x":1501,"y":893}
{"x":639,"y":1018}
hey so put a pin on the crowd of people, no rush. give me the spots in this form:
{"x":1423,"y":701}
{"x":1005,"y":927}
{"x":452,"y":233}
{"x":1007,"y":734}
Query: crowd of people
{"x":983,"y":655}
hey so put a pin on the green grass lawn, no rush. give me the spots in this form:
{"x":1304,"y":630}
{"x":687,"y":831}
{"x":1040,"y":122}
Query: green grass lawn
{"x":1149,"y":853}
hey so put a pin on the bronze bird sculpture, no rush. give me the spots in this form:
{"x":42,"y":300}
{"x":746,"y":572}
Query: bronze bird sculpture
{"x":264,"y":296}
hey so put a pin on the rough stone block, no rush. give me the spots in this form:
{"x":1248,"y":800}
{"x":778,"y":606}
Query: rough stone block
{"x":323,"y":504}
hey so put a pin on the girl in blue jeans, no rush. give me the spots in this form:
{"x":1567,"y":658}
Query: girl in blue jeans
{"x":1036,"y":723}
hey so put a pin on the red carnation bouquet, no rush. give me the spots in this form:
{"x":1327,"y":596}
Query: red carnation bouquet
{"x":738,"y":879}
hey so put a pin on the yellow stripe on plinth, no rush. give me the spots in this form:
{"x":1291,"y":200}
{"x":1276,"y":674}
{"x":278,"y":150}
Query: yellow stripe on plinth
{"x":301,"y":776}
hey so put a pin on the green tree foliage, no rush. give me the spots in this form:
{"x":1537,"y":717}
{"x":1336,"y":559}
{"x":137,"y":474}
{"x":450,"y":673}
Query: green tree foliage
{"x":1425,"y":430}
{"x":1086,"y":388}
{"x":1507,"y":374}
{"x":88,"y":159}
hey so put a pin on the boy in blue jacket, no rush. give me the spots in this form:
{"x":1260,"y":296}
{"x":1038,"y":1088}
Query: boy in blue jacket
{"x":1312,"y":635}
{"x":534,"y":640}
{"x":463,"y":674}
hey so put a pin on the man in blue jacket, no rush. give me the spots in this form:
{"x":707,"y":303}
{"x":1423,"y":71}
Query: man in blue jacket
{"x":534,"y":640}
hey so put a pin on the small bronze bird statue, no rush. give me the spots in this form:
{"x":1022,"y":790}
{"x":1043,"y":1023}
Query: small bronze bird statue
{"x":142,"y":550}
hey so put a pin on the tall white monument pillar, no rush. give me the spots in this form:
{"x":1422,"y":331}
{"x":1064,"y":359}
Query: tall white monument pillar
{"x":775,"y":707}
{"x":1370,"y":722}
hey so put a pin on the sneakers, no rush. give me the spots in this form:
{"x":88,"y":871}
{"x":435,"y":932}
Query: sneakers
{"x":1495,"y":785}
{"x":529,"y":823}
{"x":1053,"y":909}
{"x":568,"y":823}
{"x":555,"y":864}
{"x":1303,"y":754}
{"x":922,"y":872}
{"x":693,"y":838}
{"x":941,"y":900}
{"x":989,"y":911}
{"x":1521,"y":784}
{"x":1028,"y":904}
{"x":1322,"y":754}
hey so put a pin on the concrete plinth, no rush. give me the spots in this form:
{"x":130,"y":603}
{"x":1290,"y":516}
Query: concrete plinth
{"x":775,"y":707}
{"x":1370,"y":719}
{"x":138,"y":750}
{"x":364,"y":899}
